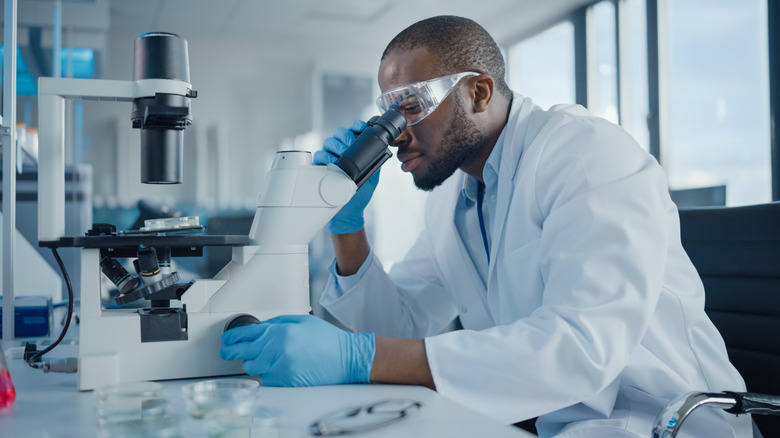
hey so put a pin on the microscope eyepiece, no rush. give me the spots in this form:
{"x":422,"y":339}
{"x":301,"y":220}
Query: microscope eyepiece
{"x":369,"y":151}
{"x":392,"y":121}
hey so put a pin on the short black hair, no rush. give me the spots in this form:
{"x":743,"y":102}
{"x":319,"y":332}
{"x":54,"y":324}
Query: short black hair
{"x":457,"y":44}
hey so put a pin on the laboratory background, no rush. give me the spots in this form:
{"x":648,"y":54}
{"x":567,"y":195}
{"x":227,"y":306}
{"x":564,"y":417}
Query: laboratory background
{"x":690,"y":82}
{"x":695,"y":82}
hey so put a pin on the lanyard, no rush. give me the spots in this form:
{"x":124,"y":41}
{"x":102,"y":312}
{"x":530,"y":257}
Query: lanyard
{"x":480,"y":196}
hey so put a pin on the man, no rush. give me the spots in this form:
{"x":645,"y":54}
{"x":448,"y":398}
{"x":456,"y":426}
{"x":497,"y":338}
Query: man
{"x":549,"y":234}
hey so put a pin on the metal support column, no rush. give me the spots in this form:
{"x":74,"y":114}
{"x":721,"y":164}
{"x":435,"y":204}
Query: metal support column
{"x":583,"y":48}
{"x":9,"y":166}
{"x":773,"y":21}
{"x":657,"y":119}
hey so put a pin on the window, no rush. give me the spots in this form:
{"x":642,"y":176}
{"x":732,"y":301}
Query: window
{"x":719,"y":97}
{"x":617,"y":64}
{"x":633,"y":99}
{"x":542,"y":67}
{"x":603,"y":100}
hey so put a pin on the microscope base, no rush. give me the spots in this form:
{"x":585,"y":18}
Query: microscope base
{"x":111,"y":347}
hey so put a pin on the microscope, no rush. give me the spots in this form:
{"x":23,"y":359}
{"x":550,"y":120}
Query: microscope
{"x":177,"y":335}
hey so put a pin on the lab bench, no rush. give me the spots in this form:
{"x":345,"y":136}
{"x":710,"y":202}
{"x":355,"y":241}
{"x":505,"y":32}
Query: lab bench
{"x":49,"y":405}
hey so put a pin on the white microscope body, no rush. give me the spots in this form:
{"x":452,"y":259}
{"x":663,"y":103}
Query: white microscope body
{"x":266,"y":278}
{"x":268,"y":274}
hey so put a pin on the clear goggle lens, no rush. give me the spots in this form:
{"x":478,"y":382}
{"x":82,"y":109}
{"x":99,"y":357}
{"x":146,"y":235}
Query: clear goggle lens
{"x":418,"y":100}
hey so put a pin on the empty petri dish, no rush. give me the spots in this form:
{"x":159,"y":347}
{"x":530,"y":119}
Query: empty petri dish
{"x":130,"y":402}
{"x":252,"y":420}
{"x":167,"y":427}
{"x":134,"y":389}
{"x":135,"y":410}
{"x":209,"y":395}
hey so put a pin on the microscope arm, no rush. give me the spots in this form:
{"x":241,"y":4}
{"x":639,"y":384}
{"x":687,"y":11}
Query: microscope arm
{"x":271,"y":275}
{"x":298,"y":200}
{"x":314,"y":194}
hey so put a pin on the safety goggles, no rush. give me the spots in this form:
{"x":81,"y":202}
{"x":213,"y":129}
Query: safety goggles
{"x":418,"y":100}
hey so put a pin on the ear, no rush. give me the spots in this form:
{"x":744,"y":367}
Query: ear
{"x":482,"y":92}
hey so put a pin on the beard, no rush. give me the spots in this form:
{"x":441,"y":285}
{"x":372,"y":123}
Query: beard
{"x":460,"y":141}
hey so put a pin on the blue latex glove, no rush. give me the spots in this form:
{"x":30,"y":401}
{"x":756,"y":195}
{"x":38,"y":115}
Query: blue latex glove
{"x":300,"y":350}
{"x":350,"y":218}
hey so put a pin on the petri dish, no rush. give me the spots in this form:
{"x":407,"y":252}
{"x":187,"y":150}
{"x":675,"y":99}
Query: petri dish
{"x":130,"y":403}
{"x":167,"y":427}
{"x":133,"y":389}
{"x":210,"y":395}
{"x":171,"y":223}
{"x":135,"y":409}
{"x":253,"y":420}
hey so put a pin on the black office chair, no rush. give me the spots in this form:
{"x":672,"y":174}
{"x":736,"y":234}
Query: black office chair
{"x":737,"y":253}
{"x":712,"y":196}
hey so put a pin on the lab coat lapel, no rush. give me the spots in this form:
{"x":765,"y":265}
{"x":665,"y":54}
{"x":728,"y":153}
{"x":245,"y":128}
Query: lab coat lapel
{"x":513,"y":145}
{"x":457,"y":268}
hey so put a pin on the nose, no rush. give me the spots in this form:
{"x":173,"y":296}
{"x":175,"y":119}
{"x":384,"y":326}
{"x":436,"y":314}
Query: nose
{"x":403,"y":139}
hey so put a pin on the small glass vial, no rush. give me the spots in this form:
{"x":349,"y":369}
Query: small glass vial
{"x":7,"y":391}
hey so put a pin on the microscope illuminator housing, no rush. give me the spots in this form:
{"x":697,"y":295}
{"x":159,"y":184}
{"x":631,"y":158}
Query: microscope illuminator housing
{"x":161,"y":117}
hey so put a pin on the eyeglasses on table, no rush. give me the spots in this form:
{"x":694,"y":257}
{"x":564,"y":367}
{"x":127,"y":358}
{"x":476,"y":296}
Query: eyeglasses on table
{"x":364,"y":417}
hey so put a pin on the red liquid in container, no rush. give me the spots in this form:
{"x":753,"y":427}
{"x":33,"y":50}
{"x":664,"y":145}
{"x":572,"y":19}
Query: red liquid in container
{"x":7,"y":391}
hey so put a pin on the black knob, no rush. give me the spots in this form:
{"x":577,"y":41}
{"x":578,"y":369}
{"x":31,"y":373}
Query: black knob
{"x":240,"y":320}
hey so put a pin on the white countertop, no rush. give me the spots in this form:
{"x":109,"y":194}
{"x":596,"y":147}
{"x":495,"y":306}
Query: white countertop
{"x":49,"y":405}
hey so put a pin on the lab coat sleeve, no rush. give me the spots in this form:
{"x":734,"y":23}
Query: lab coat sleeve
{"x":601,"y":255}
{"x":409,"y":302}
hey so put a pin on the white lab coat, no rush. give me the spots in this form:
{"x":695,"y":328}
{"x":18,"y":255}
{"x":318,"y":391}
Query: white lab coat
{"x":593,"y":316}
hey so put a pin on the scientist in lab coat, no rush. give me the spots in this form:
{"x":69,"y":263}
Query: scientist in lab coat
{"x":549,"y":234}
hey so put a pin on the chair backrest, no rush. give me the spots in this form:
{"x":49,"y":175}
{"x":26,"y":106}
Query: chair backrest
{"x":713,"y":196}
{"x":737,"y":253}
